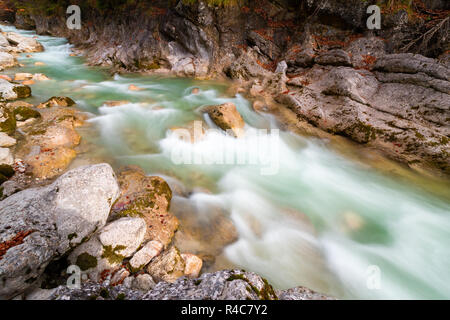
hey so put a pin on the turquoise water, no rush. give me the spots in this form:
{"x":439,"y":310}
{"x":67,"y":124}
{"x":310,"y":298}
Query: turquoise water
{"x":322,"y":220}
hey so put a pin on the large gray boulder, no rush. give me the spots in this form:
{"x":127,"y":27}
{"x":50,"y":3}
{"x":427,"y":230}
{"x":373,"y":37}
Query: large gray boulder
{"x":38,"y":225}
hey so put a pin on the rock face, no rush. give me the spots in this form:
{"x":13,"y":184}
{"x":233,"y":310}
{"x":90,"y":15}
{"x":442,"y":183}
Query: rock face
{"x":38,"y":225}
{"x":221,"y":285}
{"x":226,"y":117}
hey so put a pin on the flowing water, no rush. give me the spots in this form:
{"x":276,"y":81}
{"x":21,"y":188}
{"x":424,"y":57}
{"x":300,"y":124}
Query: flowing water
{"x":320,"y":219}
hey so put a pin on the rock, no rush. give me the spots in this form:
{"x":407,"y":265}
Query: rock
{"x":6,"y":156}
{"x":193,"y":265}
{"x":145,"y":255}
{"x":39,"y":64}
{"x":6,"y":141}
{"x":5,"y":77}
{"x":62,"y":134}
{"x":7,"y":60}
{"x":13,"y":91}
{"x":132,"y":87}
{"x":226,"y":117}
{"x":143,"y":282}
{"x":149,"y":198}
{"x":7,"y":120}
{"x":168,"y":266}
{"x":23,"y":76}
{"x":195,"y":91}
{"x":38,"y":225}
{"x":123,"y":236}
{"x":17,"y":104}
{"x":57,"y":102}
{"x":40,"y":294}
{"x":221,"y":285}
{"x":336,"y":57}
{"x":115,"y":103}
{"x":49,"y":163}
{"x":24,"y":44}
{"x":23,"y":113}
{"x":40,"y":77}
{"x":119,"y":276}
{"x":28,"y":82}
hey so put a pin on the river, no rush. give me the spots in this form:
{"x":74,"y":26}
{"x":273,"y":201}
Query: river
{"x":321,"y":219}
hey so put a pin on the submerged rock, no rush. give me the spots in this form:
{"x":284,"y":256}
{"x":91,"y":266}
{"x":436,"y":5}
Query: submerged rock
{"x":39,"y":225}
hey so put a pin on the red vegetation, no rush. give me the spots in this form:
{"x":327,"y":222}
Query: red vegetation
{"x":15,"y":241}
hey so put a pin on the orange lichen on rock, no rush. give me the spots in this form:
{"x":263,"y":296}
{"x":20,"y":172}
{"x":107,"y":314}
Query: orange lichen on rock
{"x":15,"y":241}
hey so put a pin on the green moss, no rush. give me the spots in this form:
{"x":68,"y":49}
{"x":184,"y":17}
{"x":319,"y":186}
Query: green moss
{"x":85,"y":261}
{"x":121,"y":296}
{"x":25,"y":113}
{"x":8,"y":125}
{"x":72,"y":236}
{"x":104,"y":293}
{"x":111,"y":254}
{"x":22,"y":91}
{"x":266,"y":292}
{"x":419,"y":135}
{"x":7,"y":170}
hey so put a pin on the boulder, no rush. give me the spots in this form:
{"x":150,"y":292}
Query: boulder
{"x":23,"y":113}
{"x":145,"y":255}
{"x":13,"y":91}
{"x":57,"y":102}
{"x":148,"y":198}
{"x":23,"y":43}
{"x":38,"y":225}
{"x":143,"y":282}
{"x":336,"y":57}
{"x":49,"y":163}
{"x":6,"y":141}
{"x":40,"y":77}
{"x":7,"y":60}
{"x":168,"y":266}
{"x":226,"y":117}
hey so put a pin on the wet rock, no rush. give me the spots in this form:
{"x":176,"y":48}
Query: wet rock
{"x":145,"y":255}
{"x":23,"y":113}
{"x":13,"y":91}
{"x":5,"y":77}
{"x":49,"y":163}
{"x":115,"y":103}
{"x":193,"y":265}
{"x":57,"y":102}
{"x":133,"y":87}
{"x":23,"y":76}
{"x":23,"y":43}
{"x":38,"y":225}
{"x":7,"y":60}
{"x":28,"y":82}
{"x":40,"y":77}
{"x":168,"y":266}
{"x":148,"y":198}
{"x":301,"y":293}
{"x":226,"y":117}
{"x":6,"y":141}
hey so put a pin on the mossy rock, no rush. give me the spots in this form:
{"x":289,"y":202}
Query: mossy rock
{"x":22,"y":91}
{"x":85,"y":261}
{"x":3,"y":179}
{"x":6,"y":170}
{"x":8,"y":125}
{"x":111,"y":254}
{"x":25,"y":113}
